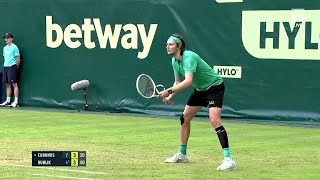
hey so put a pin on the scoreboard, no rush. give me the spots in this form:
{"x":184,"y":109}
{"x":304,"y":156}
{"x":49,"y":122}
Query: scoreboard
{"x":59,"y":158}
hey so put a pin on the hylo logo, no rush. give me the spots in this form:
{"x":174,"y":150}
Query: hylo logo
{"x":282,"y":34}
{"x":228,"y":71}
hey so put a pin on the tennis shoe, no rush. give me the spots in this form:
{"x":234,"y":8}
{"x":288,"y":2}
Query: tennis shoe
{"x":227,"y":165}
{"x":5,"y":103}
{"x":178,"y":158}
{"x":14,"y":104}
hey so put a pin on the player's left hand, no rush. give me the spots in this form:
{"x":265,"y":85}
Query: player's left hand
{"x":163,"y":94}
{"x":167,"y":100}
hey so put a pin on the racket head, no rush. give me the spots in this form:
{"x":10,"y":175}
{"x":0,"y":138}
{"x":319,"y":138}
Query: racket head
{"x":146,"y":86}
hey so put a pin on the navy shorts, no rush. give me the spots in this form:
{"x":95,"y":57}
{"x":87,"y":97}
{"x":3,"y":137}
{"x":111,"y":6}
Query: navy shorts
{"x":10,"y":74}
{"x":213,"y":97}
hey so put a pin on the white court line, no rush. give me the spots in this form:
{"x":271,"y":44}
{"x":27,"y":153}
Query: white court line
{"x":57,"y":169}
{"x":63,"y":177}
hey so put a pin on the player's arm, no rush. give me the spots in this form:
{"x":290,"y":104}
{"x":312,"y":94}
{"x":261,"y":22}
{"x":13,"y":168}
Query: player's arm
{"x":17,"y":56}
{"x":18,"y":61}
{"x":187,"y":82}
{"x":189,"y":67}
{"x":177,"y":81}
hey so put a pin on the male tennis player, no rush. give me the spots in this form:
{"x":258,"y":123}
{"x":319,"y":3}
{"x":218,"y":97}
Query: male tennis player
{"x":190,"y":70}
{"x":10,"y":67}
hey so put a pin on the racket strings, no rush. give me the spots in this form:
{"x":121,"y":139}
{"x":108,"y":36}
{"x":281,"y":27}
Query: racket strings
{"x":146,"y":86}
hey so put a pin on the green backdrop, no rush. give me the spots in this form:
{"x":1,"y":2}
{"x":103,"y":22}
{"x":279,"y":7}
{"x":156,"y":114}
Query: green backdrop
{"x":274,"y":44}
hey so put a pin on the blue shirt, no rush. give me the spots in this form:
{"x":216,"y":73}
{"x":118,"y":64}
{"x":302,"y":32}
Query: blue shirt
{"x":10,"y":54}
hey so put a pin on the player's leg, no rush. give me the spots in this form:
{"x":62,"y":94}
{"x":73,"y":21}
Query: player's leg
{"x":16,"y":95}
{"x":5,"y":79}
{"x":12,"y":74}
{"x":8,"y":93}
{"x":185,"y":120}
{"x":193,"y":106}
{"x":215,"y":101}
{"x":215,"y":118}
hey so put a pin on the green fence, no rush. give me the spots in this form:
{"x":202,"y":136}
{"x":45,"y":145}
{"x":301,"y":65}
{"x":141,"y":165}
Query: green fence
{"x":267,"y":52}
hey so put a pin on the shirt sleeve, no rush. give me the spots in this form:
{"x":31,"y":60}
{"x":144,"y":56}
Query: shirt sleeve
{"x":190,"y":64}
{"x":16,"y":52}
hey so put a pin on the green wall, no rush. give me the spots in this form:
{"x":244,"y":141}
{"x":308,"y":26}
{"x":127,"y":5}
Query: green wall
{"x":274,"y":50}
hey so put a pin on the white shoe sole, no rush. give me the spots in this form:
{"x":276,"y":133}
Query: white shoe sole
{"x":233,"y":168}
{"x":184,"y":161}
{"x":12,"y":106}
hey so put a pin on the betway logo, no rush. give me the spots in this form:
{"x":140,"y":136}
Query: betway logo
{"x":228,"y":71}
{"x":72,"y":33}
{"x":282,"y":34}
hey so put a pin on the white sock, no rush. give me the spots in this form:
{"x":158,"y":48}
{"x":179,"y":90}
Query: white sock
{"x":8,"y":99}
{"x":16,"y":99}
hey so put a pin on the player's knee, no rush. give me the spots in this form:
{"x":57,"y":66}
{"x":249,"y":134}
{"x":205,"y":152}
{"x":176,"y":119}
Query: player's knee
{"x":182,"y":119}
{"x":215,"y":121}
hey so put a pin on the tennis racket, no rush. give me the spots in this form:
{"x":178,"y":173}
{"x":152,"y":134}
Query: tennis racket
{"x":146,"y":86}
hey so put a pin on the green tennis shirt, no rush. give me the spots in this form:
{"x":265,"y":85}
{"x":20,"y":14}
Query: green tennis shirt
{"x":203,"y":75}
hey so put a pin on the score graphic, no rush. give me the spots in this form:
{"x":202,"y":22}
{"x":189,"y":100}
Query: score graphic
{"x":59,"y":158}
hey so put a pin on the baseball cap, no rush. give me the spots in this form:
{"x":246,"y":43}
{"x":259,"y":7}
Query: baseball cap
{"x":8,"y":35}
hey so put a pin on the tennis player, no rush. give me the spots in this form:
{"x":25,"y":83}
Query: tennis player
{"x":191,"y":70}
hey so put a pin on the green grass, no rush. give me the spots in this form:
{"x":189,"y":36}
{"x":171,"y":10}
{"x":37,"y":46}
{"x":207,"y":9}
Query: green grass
{"x":126,"y":147}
